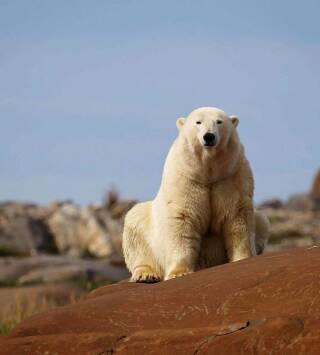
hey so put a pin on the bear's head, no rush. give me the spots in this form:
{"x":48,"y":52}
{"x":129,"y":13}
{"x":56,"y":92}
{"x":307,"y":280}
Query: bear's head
{"x":207,"y":127}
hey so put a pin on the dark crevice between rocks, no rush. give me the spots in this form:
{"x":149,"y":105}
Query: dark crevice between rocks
{"x":213,"y":336}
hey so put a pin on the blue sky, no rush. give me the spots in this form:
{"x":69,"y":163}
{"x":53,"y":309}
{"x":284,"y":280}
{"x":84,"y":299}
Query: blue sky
{"x":90,"y":91}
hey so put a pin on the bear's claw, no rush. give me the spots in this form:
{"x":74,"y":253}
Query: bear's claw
{"x":149,"y":279}
{"x":145,"y":276}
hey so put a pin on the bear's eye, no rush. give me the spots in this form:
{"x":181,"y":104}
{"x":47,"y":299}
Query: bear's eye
{"x":198,"y":122}
{"x":219,"y":122}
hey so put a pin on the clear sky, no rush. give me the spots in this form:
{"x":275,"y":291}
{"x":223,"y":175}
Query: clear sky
{"x":90,"y":91}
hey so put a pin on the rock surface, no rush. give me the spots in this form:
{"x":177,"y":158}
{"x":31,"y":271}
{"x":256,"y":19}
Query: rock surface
{"x":77,"y":231}
{"x":265,"y":305}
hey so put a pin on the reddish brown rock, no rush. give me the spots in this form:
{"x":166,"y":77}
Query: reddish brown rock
{"x":265,"y":305}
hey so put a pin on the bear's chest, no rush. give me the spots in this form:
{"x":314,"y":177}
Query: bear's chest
{"x":189,"y":203}
{"x":224,"y":202}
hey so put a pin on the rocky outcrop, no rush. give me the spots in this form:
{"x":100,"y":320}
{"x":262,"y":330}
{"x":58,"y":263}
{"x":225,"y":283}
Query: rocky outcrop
{"x":23,"y":230}
{"x":295,"y":222}
{"x":92,"y":230}
{"x":292,"y":228}
{"x":63,"y":227}
{"x":77,"y":231}
{"x":264,"y":305}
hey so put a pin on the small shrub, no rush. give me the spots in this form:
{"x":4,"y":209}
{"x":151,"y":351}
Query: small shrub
{"x":6,"y":327}
{"x":8,"y":283}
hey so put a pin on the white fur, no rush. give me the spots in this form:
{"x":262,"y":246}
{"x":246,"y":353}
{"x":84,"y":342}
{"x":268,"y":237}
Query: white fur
{"x":203,"y":213}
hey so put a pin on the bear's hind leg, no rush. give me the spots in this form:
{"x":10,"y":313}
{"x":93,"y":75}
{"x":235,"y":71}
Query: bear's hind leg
{"x":239,"y":235}
{"x":137,"y":252}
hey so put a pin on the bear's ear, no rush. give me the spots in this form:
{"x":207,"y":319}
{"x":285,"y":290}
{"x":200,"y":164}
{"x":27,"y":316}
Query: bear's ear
{"x":180,"y":122}
{"x":234,"y":120}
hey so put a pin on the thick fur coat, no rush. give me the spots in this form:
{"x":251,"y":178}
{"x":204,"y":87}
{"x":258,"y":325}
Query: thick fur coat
{"x":203,"y":214}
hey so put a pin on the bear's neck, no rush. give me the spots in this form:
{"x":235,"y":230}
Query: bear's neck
{"x":210,"y":166}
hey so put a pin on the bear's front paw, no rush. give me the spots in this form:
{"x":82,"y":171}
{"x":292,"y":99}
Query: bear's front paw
{"x":145,"y":275}
{"x":174,"y":275}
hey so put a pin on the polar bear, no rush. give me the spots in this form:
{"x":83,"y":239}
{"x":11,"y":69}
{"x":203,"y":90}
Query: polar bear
{"x":203,"y":214}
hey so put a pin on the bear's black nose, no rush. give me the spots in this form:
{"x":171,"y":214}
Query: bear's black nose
{"x":209,"y":139}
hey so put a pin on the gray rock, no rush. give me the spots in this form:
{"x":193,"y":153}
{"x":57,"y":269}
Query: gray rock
{"x":77,"y":232}
{"x":22,"y":233}
{"x":62,"y":227}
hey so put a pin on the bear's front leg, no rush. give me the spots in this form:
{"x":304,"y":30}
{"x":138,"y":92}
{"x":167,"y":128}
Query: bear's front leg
{"x":183,"y":248}
{"x":238,"y":235}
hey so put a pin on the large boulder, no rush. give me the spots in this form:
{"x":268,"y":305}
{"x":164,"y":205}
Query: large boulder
{"x":91,"y":230}
{"x":264,"y":305}
{"x":23,"y":230}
